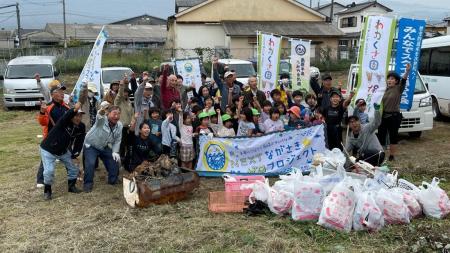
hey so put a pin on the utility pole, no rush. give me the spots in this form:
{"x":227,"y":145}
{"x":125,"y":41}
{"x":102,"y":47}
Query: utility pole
{"x":310,"y":3}
{"x":64,"y":20}
{"x":331,"y":11}
{"x":19,"y":33}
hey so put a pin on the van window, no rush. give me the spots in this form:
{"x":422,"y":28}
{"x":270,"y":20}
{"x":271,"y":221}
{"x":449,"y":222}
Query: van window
{"x":285,"y":67}
{"x":109,"y":76}
{"x":440,"y":62}
{"x":420,"y":87}
{"x":424,"y":60}
{"x":242,"y":70}
{"x":28,"y":71}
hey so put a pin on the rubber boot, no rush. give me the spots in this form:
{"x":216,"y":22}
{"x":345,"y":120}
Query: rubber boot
{"x":47,"y":192}
{"x":72,"y":188}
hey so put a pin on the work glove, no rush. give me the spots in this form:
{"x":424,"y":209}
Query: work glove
{"x":116,"y":157}
{"x":376,"y":107}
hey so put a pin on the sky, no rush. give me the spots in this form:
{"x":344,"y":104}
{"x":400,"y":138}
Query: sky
{"x":36,"y":13}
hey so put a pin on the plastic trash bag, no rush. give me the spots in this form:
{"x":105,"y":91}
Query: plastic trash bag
{"x":338,"y":207}
{"x":434,"y":200}
{"x":367,"y":215}
{"x":394,"y":208}
{"x":308,"y":199}
{"x":260,"y":191}
{"x":328,"y":182}
{"x":279,"y":202}
{"x":410,"y":197}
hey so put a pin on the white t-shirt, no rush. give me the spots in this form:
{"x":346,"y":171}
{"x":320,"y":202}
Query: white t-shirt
{"x":244,"y":127}
{"x":273,"y":126}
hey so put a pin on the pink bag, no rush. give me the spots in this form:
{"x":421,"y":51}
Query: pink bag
{"x":434,"y":200}
{"x":394,"y":208}
{"x":308,"y":199}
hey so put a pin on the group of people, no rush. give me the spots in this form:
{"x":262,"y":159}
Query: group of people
{"x":167,"y":117}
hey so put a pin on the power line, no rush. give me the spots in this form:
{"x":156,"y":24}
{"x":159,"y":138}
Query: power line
{"x":6,"y":19}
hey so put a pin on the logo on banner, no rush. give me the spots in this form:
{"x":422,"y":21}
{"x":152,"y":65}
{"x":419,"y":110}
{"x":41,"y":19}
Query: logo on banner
{"x":373,"y":65}
{"x":188,"y":67}
{"x":300,"y":50}
{"x":268,"y":75}
{"x":215,"y":158}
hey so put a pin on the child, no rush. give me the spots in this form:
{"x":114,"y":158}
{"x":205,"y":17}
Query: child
{"x":154,"y":122}
{"x":311,"y":104}
{"x":276,"y":96}
{"x":295,"y":120}
{"x":246,"y":124}
{"x":214,"y":121}
{"x":334,"y":114}
{"x":282,"y":109}
{"x":360,"y":111}
{"x":317,"y":117}
{"x":226,"y":126}
{"x":204,"y":124}
{"x":274,"y":123}
{"x":169,"y":134}
{"x":257,"y":121}
{"x":209,"y":105}
{"x":265,"y":110}
{"x":187,"y":144}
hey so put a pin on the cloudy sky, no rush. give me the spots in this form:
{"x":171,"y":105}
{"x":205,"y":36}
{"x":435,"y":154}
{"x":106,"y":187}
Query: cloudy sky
{"x":36,"y":13}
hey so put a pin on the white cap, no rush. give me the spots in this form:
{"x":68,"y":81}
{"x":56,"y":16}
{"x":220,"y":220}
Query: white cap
{"x":92,"y":87}
{"x":148,"y":86}
{"x":227,"y":74}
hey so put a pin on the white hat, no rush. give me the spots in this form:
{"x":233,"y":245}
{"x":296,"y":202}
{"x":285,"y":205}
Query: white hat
{"x":92,"y":87}
{"x":227,"y":74}
{"x":148,"y":86}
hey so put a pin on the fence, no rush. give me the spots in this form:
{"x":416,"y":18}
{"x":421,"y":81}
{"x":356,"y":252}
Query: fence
{"x":139,"y":59}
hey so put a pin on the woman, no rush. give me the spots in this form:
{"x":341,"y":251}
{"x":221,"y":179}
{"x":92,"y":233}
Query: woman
{"x":392,"y":118}
{"x":110,"y":96}
{"x":141,"y":146}
{"x":203,"y":94}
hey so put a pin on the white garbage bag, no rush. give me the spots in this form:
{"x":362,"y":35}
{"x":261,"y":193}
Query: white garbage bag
{"x":308,"y":200}
{"x":434,"y":200}
{"x":394,"y":208}
{"x":367,"y":215}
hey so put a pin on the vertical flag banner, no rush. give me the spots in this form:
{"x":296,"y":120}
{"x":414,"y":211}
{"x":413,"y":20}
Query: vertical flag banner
{"x":189,"y":69}
{"x":92,"y":68}
{"x":410,"y":34}
{"x":374,"y":57}
{"x":271,"y":154}
{"x":269,"y":60}
{"x":300,"y":61}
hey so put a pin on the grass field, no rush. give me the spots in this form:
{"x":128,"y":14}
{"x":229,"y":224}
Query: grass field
{"x":102,"y":222}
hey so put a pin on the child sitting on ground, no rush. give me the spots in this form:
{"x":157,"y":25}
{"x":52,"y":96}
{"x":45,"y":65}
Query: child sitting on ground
{"x":204,"y":124}
{"x":225,"y":126}
{"x":246,"y":124}
{"x":274,"y":123}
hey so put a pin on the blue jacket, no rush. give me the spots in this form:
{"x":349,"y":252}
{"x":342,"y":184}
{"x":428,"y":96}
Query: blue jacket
{"x":102,"y":136}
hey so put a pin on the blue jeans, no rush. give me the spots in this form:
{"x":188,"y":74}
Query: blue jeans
{"x":48,"y":161}
{"x":90,"y":156}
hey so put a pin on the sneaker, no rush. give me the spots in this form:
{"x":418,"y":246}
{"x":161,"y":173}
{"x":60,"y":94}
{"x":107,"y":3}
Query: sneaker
{"x":39,"y":185}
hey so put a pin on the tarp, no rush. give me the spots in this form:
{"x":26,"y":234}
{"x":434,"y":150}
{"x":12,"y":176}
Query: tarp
{"x":272,"y":154}
{"x":92,"y":69}
{"x":410,"y":33}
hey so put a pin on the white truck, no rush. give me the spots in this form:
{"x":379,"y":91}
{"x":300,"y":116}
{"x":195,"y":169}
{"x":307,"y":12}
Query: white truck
{"x":419,"y":118}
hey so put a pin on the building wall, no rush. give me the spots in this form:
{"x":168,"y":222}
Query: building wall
{"x":249,"y":10}
{"x":326,"y":11}
{"x":369,"y":11}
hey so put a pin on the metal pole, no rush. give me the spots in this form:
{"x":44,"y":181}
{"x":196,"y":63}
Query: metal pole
{"x":19,"y":33}
{"x":64,"y":20}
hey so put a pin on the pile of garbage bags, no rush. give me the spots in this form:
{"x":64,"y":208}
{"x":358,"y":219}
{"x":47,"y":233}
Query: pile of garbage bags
{"x":342,"y":202}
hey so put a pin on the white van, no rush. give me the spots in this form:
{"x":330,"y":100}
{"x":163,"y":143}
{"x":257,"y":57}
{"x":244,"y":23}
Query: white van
{"x":243,"y":69}
{"x":416,"y":120}
{"x":19,"y":86}
{"x":111,"y":74}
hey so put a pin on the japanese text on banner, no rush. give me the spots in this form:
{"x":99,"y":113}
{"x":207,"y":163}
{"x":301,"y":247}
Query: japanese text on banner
{"x":374,"y":57}
{"x":410,"y":33}
{"x":272,"y":154}
{"x":92,"y":68}
{"x":300,"y":60}
{"x":269,"y":60}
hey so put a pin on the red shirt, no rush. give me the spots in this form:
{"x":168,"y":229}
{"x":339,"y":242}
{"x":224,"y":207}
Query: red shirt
{"x":168,"y":94}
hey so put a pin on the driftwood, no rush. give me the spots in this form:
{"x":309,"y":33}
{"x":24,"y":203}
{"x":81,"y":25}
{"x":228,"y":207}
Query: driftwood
{"x":159,"y":182}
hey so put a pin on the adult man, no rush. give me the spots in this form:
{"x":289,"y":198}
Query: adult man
{"x":235,"y":81}
{"x":64,"y":142}
{"x":323,"y":92}
{"x":145,"y":99}
{"x":253,"y":91}
{"x":123,"y":102}
{"x":169,"y":91}
{"x":227,"y":90}
{"x":89,"y":104}
{"x":48,"y":115}
{"x":362,"y":140}
{"x":133,"y":83}
{"x":103,"y":141}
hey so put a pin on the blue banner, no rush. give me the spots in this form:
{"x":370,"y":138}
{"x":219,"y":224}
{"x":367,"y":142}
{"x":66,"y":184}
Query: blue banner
{"x":410,"y":34}
{"x":271,"y":154}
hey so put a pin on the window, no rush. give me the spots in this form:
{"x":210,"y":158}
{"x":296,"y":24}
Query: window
{"x":28,"y":71}
{"x":349,"y":22}
{"x":440,"y":62}
{"x":424,"y":61}
{"x":343,"y":43}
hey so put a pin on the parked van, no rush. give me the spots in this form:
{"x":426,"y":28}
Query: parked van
{"x":420,"y":117}
{"x":243,"y":68}
{"x":19,"y":86}
{"x":111,"y":74}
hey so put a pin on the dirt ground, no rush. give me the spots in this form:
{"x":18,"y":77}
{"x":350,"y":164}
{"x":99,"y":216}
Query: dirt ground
{"x":101,"y":221}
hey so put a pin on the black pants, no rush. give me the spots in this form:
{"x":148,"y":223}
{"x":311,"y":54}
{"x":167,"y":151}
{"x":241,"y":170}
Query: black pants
{"x":374,"y":158}
{"x":124,"y":142}
{"x":390,"y":123}
{"x":334,"y":136}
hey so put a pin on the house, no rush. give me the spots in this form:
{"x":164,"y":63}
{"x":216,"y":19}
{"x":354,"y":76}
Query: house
{"x":436,"y":29}
{"x":231,"y":25}
{"x":141,"y":20}
{"x":6,"y":39}
{"x":119,"y":35}
{"x":326,"y":10}
{"x":447,"y":21}
{"x":350,"y":21}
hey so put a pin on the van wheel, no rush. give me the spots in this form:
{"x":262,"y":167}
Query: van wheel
{"x":415,"y":134}
{"x":436,"y":112}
